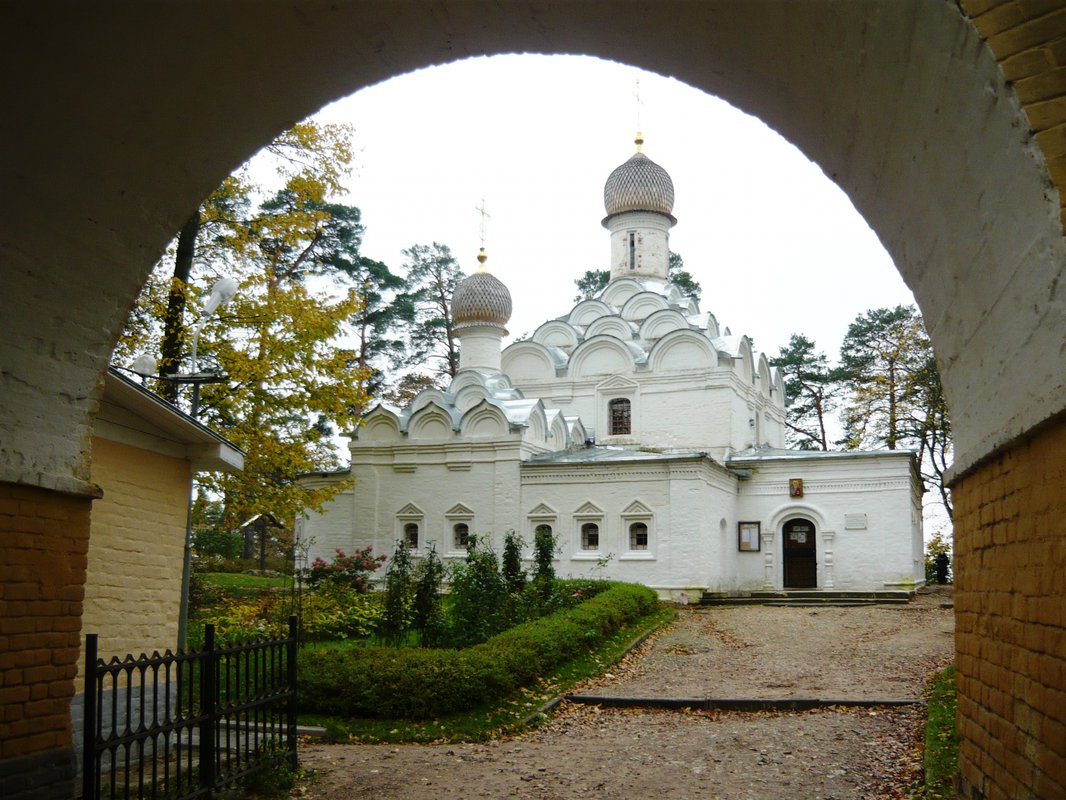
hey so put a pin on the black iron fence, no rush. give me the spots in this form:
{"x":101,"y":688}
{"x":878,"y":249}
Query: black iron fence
{"x":188,"y":725}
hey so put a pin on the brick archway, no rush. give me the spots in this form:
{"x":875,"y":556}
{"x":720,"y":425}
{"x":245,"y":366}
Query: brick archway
{"x":129,"y":116}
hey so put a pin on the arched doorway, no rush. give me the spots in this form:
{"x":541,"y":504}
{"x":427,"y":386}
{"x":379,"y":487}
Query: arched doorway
{"x":799,"y":554}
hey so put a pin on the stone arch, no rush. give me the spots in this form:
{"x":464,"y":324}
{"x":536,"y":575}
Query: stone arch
{"x":884,"y":128}
{"x":380,"y":425}
{"x":661,"y":323}
{"x":613,"y":325}
{"x":588,"y":311}
{"x":620,"y":290}
{"x":431,"y":422}
{"x":484,"y":421}
{"x":528,"y":361}
{"x":557,"y":333}
{"x":641,"y":306}
{"x":884,"y":96}
{"x":601,"y":355}
{"x":682,"y":350}
{"x":763,"y":371}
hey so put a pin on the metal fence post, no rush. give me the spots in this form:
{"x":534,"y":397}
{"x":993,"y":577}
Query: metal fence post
{"x":291,"y":716}
{"x":209,"y":709}
{"x":88,"y":744}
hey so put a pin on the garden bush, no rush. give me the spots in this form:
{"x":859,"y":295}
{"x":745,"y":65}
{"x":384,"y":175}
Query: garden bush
{"x":421,"y":683}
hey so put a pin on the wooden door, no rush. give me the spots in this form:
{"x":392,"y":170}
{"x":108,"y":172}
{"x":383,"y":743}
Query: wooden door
{"x":800,"y":555}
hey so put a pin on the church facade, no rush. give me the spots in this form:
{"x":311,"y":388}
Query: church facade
{"x":648,"y":440}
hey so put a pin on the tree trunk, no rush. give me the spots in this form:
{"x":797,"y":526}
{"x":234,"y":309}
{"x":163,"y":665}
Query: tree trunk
{"x":173,"y":323}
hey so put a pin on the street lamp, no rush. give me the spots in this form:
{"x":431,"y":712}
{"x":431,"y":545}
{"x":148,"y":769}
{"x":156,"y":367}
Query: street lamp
{"x":146,"y":366}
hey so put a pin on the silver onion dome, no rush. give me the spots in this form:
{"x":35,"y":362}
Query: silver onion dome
{"x":639,"y":185}
{"x":481,"y":299}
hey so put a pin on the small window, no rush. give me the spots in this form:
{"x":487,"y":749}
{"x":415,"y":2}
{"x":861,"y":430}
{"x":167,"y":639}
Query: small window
{"x":590,"y":536}
{"x":632,"y":250}
{"x":638,"y":536}
{"x":543,"y":530}
{"x":410,"y":535}
{"x":618,"y":410}
{"x":461,"y":536}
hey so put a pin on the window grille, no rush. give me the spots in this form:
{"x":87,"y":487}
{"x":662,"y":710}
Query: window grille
{"x":410,"y":535}
{"x":638,"y":536}
{"x":462,"y":536}
{"x":620,"y":417}
{"x":590,"y":536}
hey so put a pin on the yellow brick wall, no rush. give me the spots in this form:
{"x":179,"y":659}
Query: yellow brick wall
{"x":133,"y":587}
{"x":1028,"y":38}
{"x":1010,"y":606}
{"x":43,"y":540}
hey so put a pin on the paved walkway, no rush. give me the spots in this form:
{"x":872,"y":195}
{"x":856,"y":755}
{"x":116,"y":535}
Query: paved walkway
{"x":587,"y":752}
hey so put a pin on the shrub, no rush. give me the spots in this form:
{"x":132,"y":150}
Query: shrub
{"x":347,"y":570}
{"x":479,"y":594}
{"x":428,"y":609}
{"x":399,"y":595}
{"x":513,"y":573}
{"x":425,"y":683}
{"x":339,"y":612}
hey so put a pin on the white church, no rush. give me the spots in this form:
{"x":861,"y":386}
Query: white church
{"x":646,"y":438}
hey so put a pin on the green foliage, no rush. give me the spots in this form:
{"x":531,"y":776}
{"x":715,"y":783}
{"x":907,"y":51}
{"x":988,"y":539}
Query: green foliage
{"x":352,"y":570}
{"x":681,"y":279}
{"x":513,"y":574}
{"x":429,"y":618}
{"x":273,"y":777}
{"x":399,"y":595}
{"x":591,"y":284}
{"x":337,"y":612}
{"x":544,"y":550}
{"x":219,"y":545}
{"x":479,"y":594}
{"x":426,"y":306}
{"x":939,"y":543}
{"x":425,"y":683}
{"x":811,"y":392}
{"x":595,"y":281}
{"x":941,"y":759}
{"x":894,"y":395}
{"x":280,"y":341}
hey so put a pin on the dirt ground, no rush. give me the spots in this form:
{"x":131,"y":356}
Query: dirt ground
{"x":881,"y":652}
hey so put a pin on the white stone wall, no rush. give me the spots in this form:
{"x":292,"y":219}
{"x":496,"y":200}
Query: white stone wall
{"x":651,"y":244}
{"x":878,"y":554}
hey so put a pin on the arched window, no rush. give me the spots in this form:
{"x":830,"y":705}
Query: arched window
{"x":543,"y":530}
{"x":619,"y":416}
{"x":461,"y":533}
{"x":590,"y":536}
{"x":638,"y":536}
{"x":410,"y":535}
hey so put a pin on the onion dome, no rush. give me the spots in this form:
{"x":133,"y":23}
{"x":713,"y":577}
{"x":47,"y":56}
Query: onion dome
{"x":481,"y":299}
{"x":639,"y":185}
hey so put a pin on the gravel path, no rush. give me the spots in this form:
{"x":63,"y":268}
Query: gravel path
{"x":754,"y":651}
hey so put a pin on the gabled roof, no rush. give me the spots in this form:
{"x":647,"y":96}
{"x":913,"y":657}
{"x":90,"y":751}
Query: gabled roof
{"x":130,"y":412}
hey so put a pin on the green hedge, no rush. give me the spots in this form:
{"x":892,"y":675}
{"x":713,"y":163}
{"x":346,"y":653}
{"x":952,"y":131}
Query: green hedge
{"x":419,"y":683}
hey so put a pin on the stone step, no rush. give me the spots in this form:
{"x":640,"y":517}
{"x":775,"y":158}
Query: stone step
{"x":805,"y":598}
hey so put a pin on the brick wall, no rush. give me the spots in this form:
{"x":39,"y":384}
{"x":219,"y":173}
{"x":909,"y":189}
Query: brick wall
{"x":1028,"y":38}
{"x":133,"y":588}
{"x":1010,"y":604}
{"x":44,"y":538}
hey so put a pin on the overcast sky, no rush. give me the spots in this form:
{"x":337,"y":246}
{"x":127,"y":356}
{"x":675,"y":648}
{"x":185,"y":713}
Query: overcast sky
{"x":777,"y":247}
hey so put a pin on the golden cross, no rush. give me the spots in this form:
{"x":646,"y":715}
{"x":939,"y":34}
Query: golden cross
{"x":485,"y":216}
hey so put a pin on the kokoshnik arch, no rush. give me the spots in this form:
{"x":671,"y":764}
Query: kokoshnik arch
{"x":946,"y":127}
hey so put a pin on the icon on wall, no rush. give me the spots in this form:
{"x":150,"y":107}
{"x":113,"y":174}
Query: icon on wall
{"x":795,"y":487}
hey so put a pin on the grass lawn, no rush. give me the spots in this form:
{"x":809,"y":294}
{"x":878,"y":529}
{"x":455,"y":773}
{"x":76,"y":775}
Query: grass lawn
{"x":507,"y":716}
{"x":941,"y":738}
